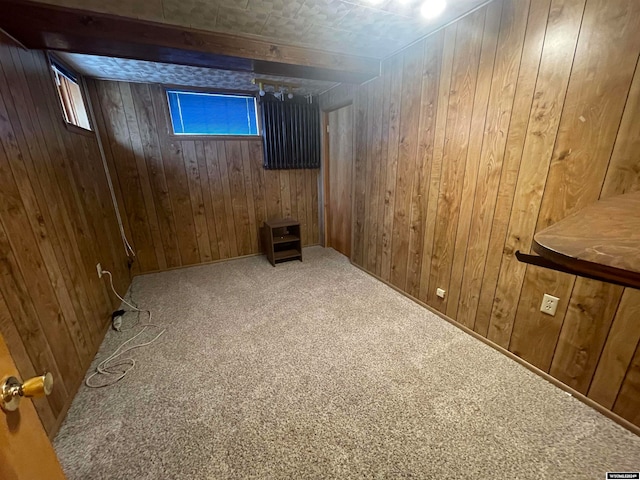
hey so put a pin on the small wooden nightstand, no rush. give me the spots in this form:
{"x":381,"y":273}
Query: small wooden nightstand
{"x":282,"y":240}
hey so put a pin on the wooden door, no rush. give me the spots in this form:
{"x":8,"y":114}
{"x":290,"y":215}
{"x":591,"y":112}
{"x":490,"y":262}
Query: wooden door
{"x":25,"y":450}
{"x":338,"y":175}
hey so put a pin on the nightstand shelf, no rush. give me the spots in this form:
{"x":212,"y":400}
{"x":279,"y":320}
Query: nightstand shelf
{"x":286,"y":239}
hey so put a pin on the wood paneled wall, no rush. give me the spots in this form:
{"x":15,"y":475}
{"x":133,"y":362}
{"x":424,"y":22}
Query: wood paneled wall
{"x":190,"y":201}
{"x":56,"y":222}
{"x":501,"y":124}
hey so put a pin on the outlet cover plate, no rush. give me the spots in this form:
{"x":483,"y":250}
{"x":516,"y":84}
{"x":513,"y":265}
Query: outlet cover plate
{"x":549,"y":304}
{"x":440,"y":292}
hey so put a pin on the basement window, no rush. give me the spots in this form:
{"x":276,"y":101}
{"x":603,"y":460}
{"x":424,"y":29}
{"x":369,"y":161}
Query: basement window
{"x":70,"y":93}
{"x":198,"y":113}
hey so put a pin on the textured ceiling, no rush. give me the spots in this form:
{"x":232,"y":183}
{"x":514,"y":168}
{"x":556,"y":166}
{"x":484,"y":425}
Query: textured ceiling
{"x":151,"y":72}
{"x":355,"y":27}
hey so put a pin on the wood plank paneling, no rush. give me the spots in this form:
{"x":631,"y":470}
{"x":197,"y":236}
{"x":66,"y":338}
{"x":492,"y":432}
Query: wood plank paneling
{"x":118,"y":148}
{"x":148,"y":129}
{"x":369,"y":176}
{"x":420,"y":188}
{"x":584,"y":331}
{"x":26,"y":171}
{"x":375,"y":148}
{"x":285,"y":192}
{"x":501,"y":98}
{"x":627,"y":402}
{"x":407,"y":152}
{"x":530,"y":113}
{"x":251,"y":202}
{"x":394,"y":70}
{"x":56,"y":222}
{"x":190,"y":201}
{"x":478,"y":120}
{"x":384,"y":151}
{"x":561,"y":35}
{"x":235,"y":173}
{"x":618,"y":351}
{"x":137,"y":150}
{"x":623,"y":174}
{"x":601,"y":76}
{"x":207,"y":201}
{"x":225,"y":192}
{"x":259,"y":189}
{"x":466,"y":58}
{"x":197,"y":201}
{"x":447,"y":47}
{"x":314,"y":220}
{"x":213,"y":188}
{"x":338,"y":188}
{"x":508,"y":174}
{"x":359,"y":182}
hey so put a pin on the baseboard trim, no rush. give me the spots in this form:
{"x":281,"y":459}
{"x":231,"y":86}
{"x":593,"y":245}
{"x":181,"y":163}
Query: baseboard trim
{"x":212,"y":262}
{"x":181,"y":267}
{"x":574,"y":393}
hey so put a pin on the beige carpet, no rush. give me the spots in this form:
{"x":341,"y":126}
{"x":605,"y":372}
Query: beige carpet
{"x":317,"y":370}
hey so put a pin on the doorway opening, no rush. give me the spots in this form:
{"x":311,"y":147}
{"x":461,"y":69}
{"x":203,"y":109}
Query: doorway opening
{"x":338,"y":175}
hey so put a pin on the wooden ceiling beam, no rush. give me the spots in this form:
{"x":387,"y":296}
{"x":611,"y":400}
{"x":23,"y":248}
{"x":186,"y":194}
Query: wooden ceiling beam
{"x":41,"y":26}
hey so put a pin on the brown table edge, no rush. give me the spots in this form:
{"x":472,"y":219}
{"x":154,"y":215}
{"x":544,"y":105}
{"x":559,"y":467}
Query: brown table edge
{"x":584,"y":268}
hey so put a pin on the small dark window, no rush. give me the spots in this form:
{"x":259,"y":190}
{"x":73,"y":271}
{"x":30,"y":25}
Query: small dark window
{"x":197,"y":113}
{"x":291,"y":132}
{"x":71,"y":98}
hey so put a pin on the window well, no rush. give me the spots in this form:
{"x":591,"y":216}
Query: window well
{"x":197,"y":113}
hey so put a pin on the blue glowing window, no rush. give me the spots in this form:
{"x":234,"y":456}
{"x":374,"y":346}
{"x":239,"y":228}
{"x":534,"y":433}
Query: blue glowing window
{"x":197,"y":113}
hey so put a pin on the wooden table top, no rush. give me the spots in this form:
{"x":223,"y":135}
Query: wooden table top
{"x":282,"y":222}
{"x":602,"y":239}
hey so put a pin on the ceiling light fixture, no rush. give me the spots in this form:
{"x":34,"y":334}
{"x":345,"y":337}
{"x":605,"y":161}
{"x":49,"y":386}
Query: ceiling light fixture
{"x":432,"y":8}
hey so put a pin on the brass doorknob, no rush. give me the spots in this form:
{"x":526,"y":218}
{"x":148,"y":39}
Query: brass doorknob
{"x":12,"y":390}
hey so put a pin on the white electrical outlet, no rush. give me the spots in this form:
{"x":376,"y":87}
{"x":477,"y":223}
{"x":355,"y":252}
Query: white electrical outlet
{"x":99,"y":269}
{"x":440,"y":292}
{"x":549,"y":304}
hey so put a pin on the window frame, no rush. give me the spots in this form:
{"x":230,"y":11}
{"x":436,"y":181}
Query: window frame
{"x":212,"y":91}
{"x":53,"y":59}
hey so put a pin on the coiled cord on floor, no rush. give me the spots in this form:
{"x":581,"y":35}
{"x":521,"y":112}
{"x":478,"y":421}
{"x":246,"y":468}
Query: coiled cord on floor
{"x":124,"y":365}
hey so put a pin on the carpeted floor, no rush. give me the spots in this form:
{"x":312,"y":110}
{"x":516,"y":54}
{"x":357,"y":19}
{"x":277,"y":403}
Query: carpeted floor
{"x":317,"y":370}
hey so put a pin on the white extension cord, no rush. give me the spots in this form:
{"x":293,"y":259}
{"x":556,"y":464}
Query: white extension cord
{"x":124,"y":365}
